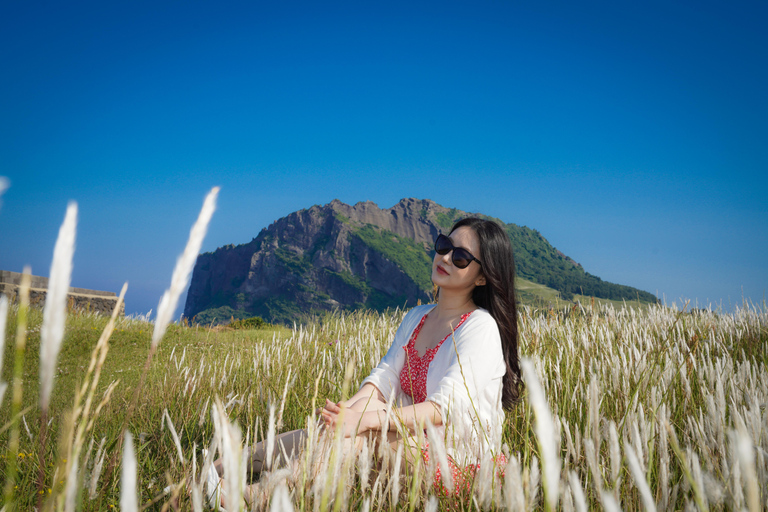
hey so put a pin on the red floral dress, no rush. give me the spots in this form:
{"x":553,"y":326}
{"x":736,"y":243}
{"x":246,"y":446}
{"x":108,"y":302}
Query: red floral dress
{"x":413,"y":381}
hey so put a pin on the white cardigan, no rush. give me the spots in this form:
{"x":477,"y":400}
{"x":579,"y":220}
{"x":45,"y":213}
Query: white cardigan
{"x":464,"y":379}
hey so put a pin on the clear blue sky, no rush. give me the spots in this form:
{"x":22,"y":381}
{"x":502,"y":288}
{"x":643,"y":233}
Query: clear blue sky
{"x":631,"y":135}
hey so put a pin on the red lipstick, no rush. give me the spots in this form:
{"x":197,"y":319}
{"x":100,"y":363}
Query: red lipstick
{"x":441,"y":270}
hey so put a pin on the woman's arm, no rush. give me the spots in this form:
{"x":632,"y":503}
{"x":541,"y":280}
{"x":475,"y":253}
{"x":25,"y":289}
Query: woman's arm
{"x":367,"y":392}
{"x":364,"y":416}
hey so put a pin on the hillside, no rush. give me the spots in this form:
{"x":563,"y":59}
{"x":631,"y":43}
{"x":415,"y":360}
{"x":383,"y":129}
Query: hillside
{"x":342,"y":256}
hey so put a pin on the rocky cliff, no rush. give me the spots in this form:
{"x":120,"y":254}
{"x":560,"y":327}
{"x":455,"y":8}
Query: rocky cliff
{"x":341,"y":256}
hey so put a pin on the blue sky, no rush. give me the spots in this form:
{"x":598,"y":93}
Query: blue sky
{"x":631,"y":136}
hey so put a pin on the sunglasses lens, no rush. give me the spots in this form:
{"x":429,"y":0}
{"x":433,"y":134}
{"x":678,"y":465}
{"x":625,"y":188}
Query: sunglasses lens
{"x":461,"y":258}
{"x":443,"y":245}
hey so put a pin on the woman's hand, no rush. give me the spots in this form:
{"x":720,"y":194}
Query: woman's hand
{"x":337,"y":416}
{"x":342,"y":405}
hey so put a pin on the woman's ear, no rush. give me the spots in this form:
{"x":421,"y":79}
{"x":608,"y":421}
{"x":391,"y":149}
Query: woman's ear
{"x":480,"y":281}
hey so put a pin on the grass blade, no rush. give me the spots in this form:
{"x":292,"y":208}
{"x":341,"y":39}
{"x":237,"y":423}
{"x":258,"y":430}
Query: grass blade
{"x":55,"y":310}
{"x":184,"y":266}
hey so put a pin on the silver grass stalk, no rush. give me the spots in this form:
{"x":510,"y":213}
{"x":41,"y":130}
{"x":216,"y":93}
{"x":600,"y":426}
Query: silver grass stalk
{"x":183,"y":269}
{"x":534,"y":478}
{"x":3,"y":320}
{"x":663,"y":458}
{"x":485,"y":480}
{"x":438,"y":451}
{"x":98,"y":464}
{"x":545,"y":435}
{"x":282,"y":400}
{"x":638,"y":446}
{"x":431,"y":504}
{"x":71,"y":492}
{"x":55,"y":309}
{"x":571,"y":450}
{"x":4,"y":184}
{"x":514,"y":496}
{"x":364,"y":465}
{"x":639,"y":477}
{"x":613,"y":438}
{"x":396,"y":475}
{"x":579,"y":500}
{"x":609,"y":503}
{"x":594,"y":411}
{"x":567,"y":500}
{"x":129,"y":501}
{"x":270,"y":437}
{"x":597,"y":477}
{"x":230,"y":441}
{"x":174,"y":435}
{"x":699,"y":479}
{"x":747,"y":462}
{"x":281,"y":499}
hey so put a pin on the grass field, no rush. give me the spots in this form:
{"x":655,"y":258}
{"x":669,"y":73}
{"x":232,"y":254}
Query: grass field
{"x":649,"y":408}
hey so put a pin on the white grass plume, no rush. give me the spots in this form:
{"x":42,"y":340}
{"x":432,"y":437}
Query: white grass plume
{"x":533,"y":481}
{"x":4,"y":184}
{"x":639,"y":477}
{"x":183,"y":269}
{"x":438,"y":451}
{"x":615,"y":451}
{"x":270,"y":438}
{"x":396,"y":475}
{"x":747,"y":461}
{"x":609,"y":503}
{"x":72,"y":488}
{"x":129,"y":501}
{"x":3,"y":320}
{"x":174,"y":435}
{"x":55,"y":310}
{"x":579,"y":501}
{"x":281,"y":499}
{"x":514,"y":497}
{"x":230,"y":439}
{"x":98,"y":464}
{"x":545,"y":434}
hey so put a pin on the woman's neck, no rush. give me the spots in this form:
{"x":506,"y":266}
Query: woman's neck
{"x":452,"y":306}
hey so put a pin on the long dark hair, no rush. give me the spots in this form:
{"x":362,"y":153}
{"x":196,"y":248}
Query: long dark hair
{"x":497,"y":295}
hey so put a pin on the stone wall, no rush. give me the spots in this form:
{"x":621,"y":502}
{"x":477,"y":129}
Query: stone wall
{"x":79,"y":299}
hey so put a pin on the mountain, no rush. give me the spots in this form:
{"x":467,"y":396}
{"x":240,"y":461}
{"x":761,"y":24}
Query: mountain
{"x":342,"y":256}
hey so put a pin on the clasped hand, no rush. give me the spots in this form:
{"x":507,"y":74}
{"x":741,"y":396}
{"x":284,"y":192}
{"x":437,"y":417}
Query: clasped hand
{"x":338,"y":415}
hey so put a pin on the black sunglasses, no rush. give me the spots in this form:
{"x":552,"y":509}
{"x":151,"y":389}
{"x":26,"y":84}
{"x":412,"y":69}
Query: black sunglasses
{"x":461,"y":257}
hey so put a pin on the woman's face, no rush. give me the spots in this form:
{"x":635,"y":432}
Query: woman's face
{"x":449,"y":277}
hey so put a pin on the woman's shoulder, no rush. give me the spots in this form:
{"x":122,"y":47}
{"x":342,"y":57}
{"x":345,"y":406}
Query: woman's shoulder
{"x":418,"y":312}
{"x":480,"y":322}
{"x":481,"y":316}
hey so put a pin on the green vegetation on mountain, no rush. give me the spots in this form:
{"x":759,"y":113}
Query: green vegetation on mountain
{"x":539,"y":262}
{"x":406,"y":253}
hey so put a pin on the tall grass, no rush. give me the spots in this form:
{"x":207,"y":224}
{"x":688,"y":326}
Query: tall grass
{"x":627,"y":408}
{"x":649,"y":409}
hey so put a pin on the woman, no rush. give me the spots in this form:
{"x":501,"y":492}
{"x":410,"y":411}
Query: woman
{"x":453,"y":364}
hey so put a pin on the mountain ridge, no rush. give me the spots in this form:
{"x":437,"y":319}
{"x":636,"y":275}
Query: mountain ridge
{"x":342,"y":256}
